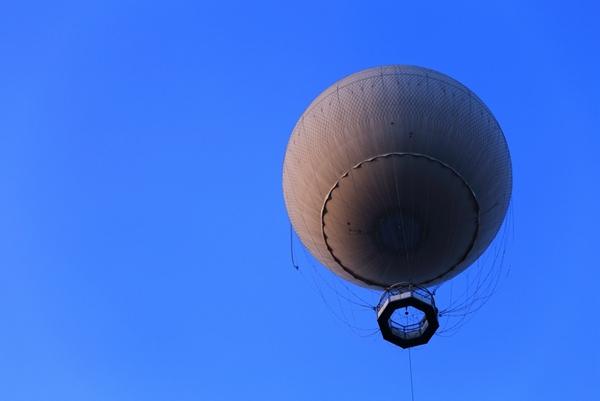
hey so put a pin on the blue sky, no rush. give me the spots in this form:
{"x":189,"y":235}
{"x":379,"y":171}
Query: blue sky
{"x":144,"y":248}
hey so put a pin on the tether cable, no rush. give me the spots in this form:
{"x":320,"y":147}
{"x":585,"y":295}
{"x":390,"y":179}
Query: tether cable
{"x":412,"y":390}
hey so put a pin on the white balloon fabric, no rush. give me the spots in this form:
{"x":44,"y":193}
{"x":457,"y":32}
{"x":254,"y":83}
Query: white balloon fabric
{"x":397,"y":174}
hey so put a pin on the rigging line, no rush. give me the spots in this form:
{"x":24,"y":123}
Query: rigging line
{"x":355,"y":295}
{"x":472,"y":304}
{"x":292,"y":248}
{"x":315,"y":269}
{"x":329,"y":307}
{"x":361,"y":301}
{"x":412,"y":390}
{"x":486,"y":286}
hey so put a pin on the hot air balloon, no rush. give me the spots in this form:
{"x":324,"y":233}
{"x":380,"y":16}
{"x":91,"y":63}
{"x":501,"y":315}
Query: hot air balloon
{"x":397,"y":178}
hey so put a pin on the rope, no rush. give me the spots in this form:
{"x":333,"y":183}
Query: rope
{"x":412,"y":390}
{"x":292,"y":248}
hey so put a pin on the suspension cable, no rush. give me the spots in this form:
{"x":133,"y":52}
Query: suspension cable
{"x":412,"y":390}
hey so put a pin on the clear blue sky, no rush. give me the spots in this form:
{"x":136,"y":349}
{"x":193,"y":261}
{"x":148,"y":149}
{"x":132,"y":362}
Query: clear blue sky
{"x":144,"y":250}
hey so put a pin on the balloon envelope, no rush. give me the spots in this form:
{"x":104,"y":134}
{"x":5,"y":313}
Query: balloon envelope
{"x":397,"y":174}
